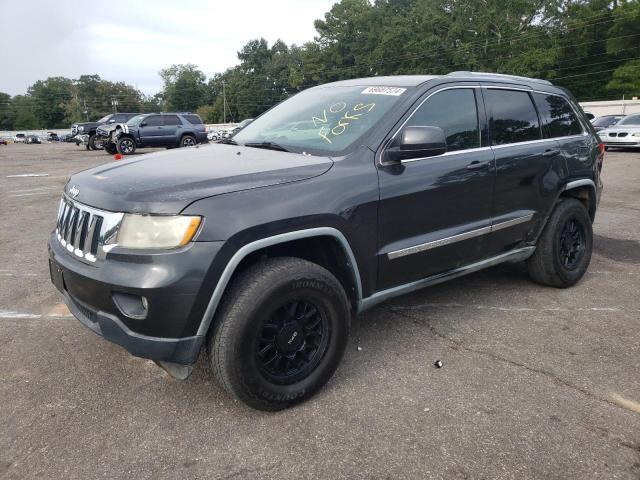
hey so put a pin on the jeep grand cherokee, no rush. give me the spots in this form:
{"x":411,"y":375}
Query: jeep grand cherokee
{"x":262,"y":249}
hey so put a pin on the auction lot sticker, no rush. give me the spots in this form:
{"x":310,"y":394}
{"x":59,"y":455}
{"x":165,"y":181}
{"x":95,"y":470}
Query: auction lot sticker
{"x":395,"y":91}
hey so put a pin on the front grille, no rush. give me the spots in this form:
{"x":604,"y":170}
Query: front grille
{"x":83,"y":230}
{"x":622,"y":134}
{"x":613,"y":134}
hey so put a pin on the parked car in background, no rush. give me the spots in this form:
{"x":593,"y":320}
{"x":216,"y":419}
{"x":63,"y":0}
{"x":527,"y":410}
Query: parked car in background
{"x":624,"y":134}
{"x":240,"y":126}
{"x":153,"y":130}
{"x":33,"y":139}
{"x":20,"y":138}
{"x":4,"y":141}
{"x":53,"y":137}
{"x":261,"y":251}
{"x":600,"y":123}
{"x":87,"y":131}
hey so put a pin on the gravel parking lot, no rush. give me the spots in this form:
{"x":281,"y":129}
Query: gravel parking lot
{"x":536,"y":382}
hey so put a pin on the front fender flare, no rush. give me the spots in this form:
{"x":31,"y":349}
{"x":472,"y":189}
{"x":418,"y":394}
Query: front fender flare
{"x":237,"y":257}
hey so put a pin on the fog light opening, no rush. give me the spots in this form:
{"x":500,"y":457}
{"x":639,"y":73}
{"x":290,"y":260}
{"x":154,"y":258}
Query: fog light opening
{"x":132,"y":306}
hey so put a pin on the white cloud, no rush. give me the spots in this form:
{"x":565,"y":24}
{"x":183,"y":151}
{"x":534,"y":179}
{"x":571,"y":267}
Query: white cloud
{"x":131,"y":41}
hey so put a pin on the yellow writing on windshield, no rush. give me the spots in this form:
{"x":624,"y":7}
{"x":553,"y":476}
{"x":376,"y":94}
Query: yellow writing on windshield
{"x":334,"y":126}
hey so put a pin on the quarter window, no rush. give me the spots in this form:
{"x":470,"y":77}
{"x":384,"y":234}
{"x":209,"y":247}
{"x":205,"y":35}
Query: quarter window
{"x":514,"y":118}
{"x":558,"y":117}
{"x":456,"y":113}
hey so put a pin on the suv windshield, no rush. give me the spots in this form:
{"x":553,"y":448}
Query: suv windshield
{"x":322,"y":121}
{"x":605,"y":121}
{"x":135,"y":120}
{"x":630,"y":120}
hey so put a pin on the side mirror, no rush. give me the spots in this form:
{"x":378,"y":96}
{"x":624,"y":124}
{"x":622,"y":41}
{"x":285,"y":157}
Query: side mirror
{"x":417,"y":142}
{"x":143,"y":124}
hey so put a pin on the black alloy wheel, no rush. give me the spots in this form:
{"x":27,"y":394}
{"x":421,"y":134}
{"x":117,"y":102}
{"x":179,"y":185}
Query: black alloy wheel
{"x":292,"y":341}
{"x":572,"y":244}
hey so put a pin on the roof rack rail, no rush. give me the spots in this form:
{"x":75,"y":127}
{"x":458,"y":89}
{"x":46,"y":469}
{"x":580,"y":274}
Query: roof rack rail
{"x":501,"y":75}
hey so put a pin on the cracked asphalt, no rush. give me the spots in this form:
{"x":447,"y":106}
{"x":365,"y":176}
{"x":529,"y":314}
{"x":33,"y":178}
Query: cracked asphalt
{"x":536,"y":382}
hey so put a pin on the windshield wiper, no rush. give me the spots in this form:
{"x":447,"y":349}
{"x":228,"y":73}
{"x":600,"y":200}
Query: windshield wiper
{"x":267,"y":145}
{"x":228,"y":141}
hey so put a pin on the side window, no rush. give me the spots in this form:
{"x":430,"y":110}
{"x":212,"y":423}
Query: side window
{"x":557,"y":115}
{"x":514,"y":118}
{"x":456,"y":113}
{"x":171,"y":120}
{"x":153,"y":121}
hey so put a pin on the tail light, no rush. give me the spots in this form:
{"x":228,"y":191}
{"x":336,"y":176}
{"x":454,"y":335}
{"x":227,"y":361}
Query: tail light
{"x":601,"y":151}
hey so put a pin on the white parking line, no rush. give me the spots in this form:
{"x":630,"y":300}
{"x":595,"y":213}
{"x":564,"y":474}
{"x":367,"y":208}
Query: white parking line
{"x":28,"y":175}
{"x":11,"y":314}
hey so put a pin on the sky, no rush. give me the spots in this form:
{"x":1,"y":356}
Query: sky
{"x":132,"y":40}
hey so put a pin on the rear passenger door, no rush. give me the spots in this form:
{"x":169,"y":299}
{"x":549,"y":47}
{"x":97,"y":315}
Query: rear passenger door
{"x":151,"y":131}
{"x":529,"y":167}
{"x":171,"y":125}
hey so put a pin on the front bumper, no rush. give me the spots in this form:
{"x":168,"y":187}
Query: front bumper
{"x":174,"y":285}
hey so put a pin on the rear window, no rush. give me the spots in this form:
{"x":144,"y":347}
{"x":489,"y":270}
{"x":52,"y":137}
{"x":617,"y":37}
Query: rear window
{"x":193,"y":119}
{"x":514,"y":118}
{"x":558,"y":117}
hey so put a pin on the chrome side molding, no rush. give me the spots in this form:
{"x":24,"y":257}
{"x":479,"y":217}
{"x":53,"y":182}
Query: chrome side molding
{"x":458,"y":238}
{"x":378,"y":297}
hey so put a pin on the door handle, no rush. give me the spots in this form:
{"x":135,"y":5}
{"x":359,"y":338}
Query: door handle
{"x":476,"y":164}
{"x":552,"y":152}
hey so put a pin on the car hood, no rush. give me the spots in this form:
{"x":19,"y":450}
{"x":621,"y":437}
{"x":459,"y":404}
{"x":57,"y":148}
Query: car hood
{"x":167,"y":182}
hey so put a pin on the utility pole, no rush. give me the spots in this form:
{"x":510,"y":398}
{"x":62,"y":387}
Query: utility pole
{"x":224,"y":103}
{"x":114,"y":102}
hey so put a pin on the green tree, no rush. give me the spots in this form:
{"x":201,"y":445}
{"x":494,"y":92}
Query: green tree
{"x":49,"y":99}
{"x":7,"y":113}
{"x":184,"y":87}
{"x":25,"y":117}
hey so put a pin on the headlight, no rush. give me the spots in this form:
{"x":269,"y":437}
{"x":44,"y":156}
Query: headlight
{"x":637,"y":134}
{"x":81,"y":128}
{"x":156,"y":231}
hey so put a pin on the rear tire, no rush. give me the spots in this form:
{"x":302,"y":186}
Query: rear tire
{"x":279,"y":333}
{"x":563,"y":251}
{"x":126,"y":145}
{"x":188,"y":141}
{"x":94,"y":143}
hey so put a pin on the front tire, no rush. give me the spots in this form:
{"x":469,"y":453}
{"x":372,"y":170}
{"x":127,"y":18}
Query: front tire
{"x":110,"y":148}
{"x":126,"y":145}
{"x":563,"y":251}
{"x":279,"y":333}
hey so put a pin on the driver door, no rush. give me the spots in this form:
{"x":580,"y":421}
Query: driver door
{"x":151,"y":130}
{"x":435,"y":212}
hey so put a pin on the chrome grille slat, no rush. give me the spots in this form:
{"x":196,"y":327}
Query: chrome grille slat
{"x":82,"y":229}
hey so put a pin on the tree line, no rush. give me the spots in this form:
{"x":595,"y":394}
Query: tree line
{"x":591,"y":47}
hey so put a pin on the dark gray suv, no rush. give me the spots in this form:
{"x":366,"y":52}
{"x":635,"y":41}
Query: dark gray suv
{"x":153,"y":130}
{"x":261,"y":249}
